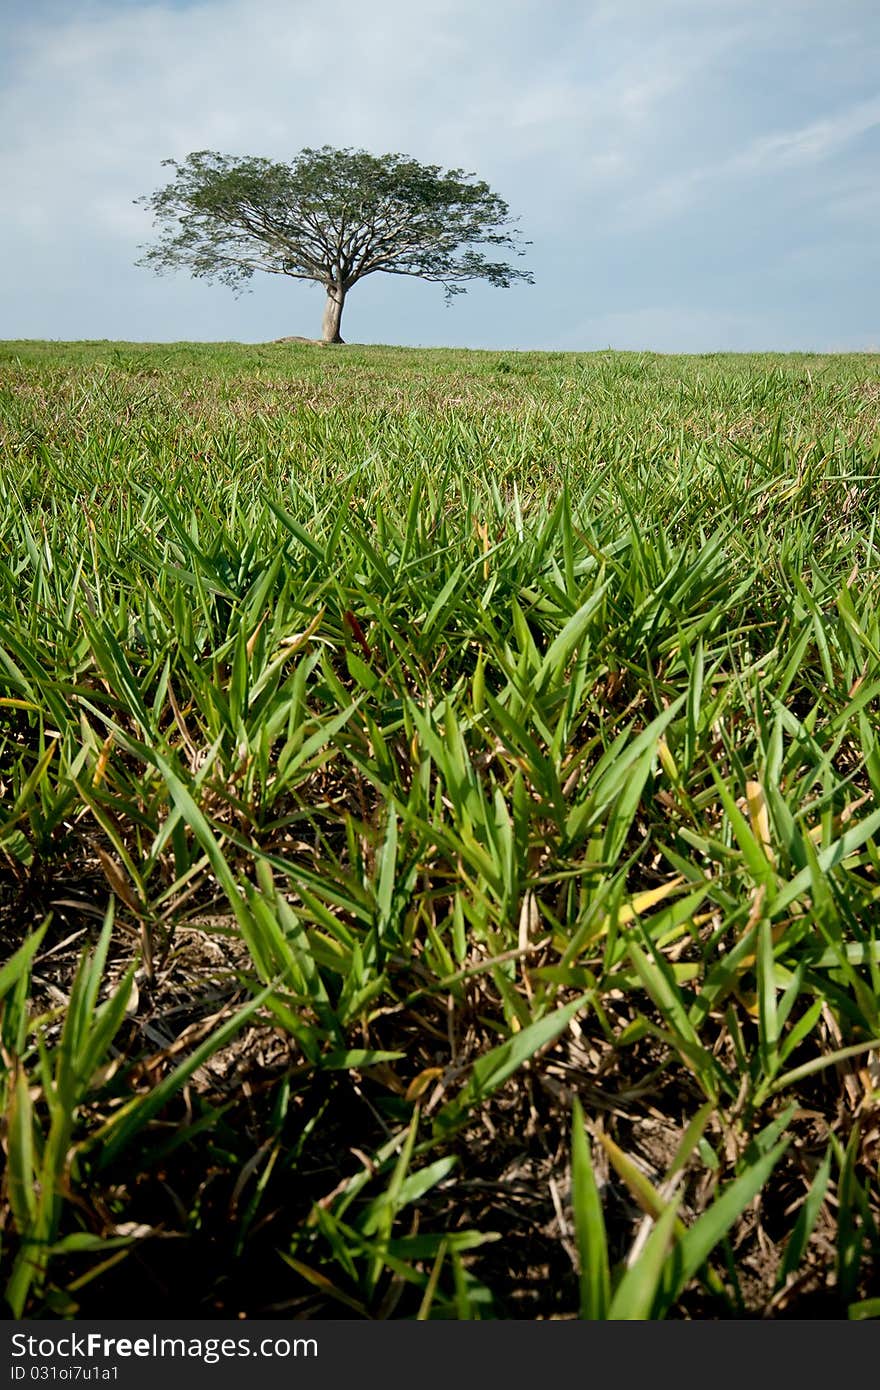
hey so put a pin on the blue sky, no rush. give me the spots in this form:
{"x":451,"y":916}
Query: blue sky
{"x":695,"y":175}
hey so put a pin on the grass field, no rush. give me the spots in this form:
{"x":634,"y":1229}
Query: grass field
{"x":439,"y":833}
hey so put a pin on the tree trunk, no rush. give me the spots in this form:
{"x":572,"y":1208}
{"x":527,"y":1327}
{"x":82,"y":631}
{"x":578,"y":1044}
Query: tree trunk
{"x":333,"y":314}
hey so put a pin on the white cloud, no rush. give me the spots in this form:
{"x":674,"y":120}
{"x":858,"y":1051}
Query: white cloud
{"x":768,"y":155}
{"x":809,"y":143}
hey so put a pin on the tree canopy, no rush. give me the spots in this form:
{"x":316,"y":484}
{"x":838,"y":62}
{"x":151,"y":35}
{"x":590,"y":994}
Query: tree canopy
{"x":333,"y":217}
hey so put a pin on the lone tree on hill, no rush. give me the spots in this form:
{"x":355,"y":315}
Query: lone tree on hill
{"x":332,"y":216}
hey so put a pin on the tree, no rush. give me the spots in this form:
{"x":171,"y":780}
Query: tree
{"x":330,"y":216}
